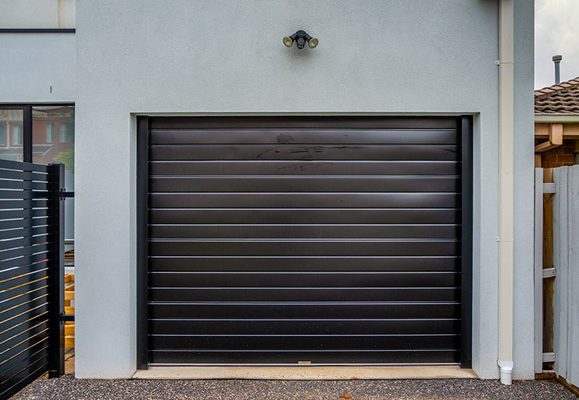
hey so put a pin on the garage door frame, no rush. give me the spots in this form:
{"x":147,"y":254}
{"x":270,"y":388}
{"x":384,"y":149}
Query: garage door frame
{"x":465,"y":134}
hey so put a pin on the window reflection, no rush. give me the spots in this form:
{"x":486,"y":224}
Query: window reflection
{"x":53,"y":142}
{"x":49,"y":134}
{"x":16,"y":134}
{"x":11,"y":134}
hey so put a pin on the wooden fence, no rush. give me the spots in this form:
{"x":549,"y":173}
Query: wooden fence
{"x":557,"y":272}
{"x":69,"y":309}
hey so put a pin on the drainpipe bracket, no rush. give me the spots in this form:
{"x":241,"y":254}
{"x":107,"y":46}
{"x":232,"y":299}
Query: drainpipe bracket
{"x":501,"y":240}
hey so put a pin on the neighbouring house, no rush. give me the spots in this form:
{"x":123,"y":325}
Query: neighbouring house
{"x":556,"y":149}
{"x":363,"y":200}
{"x":557,"y":125}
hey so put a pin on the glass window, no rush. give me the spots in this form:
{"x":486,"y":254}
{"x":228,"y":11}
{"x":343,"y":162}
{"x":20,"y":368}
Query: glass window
{"x":11,"y":121}
{"x":49,"y":133}
{"x":48,"y":149}
{"x":57,"y":150}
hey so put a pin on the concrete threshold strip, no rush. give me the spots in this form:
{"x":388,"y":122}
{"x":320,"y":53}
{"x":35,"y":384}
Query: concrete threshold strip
{"x":306,"y":372}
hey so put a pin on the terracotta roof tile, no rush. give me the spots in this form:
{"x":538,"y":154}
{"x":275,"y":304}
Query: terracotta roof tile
{"x":561,"y":99}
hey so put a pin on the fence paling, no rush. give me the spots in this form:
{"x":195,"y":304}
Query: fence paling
{"x":557,"y":271}
{"x":566,"y":262}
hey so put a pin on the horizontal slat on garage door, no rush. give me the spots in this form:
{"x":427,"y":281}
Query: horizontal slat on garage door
{"x":276,"y":293}
{"x":216,"y":356}
{"x":164,"y":231}
{"x":264,"y":124}
{"x":405,"y":183}
{"x":291,"y":216}
{"x":304,"y":200}
{"x":303,"y":310}
{"x":289,"y":136}
{"x":304,"y":342}
{"x":328,"y":240}
{"x":304,"y":152}
{"x":296,"y":279}
{"x":298,"y":168}
{"x":299,"y":326}
{"x":307,"y":264}
{"x":310,"y":247}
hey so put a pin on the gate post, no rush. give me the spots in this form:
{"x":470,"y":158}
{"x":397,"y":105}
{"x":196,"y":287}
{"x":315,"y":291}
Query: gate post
{"x":56,"y":270}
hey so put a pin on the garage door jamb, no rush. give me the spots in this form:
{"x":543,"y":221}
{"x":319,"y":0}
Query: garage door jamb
{"x":142,"y":239}
{"x":465,"y":126}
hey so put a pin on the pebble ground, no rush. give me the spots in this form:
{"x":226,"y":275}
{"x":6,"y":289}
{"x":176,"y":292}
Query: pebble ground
{"x":75,"y":389}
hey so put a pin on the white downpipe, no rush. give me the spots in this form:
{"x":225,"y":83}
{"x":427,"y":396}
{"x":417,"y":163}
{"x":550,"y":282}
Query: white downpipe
{"x":506,"y":189}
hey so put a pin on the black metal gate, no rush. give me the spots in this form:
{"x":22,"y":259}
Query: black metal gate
{"x":305,"y":240}
{"x":31,"y":273}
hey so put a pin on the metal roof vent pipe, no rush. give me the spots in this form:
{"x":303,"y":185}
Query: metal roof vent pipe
{"x":557,"y":60}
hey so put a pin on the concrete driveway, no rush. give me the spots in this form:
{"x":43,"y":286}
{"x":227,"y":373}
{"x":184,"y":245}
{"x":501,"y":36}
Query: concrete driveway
{"x":69,"y":388}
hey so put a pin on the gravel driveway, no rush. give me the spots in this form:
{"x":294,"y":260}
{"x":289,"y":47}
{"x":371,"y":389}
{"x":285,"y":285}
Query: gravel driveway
{"x":69,"y":388}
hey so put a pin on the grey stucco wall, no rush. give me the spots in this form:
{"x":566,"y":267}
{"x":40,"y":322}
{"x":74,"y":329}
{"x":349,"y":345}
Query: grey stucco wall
{"x":206,"y":57}
{"x":37,"y":13}
{"x":524,"y":189}
{"x":32,"y":63}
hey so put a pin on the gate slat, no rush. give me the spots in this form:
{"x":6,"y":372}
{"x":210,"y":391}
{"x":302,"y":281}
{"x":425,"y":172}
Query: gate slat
{"x":30,"y":273}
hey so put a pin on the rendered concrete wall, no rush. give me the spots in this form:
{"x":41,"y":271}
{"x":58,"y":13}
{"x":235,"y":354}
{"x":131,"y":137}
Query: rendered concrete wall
{"x":524,"y":190}
{"x":221,"y":57}
{"x":37,"y":13}
{"x":37,"y":67}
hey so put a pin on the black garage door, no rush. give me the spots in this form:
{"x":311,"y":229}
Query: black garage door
{"x":304,"y":240}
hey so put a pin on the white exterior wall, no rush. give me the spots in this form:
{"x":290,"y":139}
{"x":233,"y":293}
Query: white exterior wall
{"x":221,"y":57}
{"x":31,"y":14}
{"x":37,"y":67}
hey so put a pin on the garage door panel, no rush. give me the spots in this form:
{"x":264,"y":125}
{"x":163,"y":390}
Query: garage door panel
{"x":304,"y":152}
{"x":304,"y":200}
{"x":304,"y":294}
{"x":448,"y":231}
{"x":303,"y":279}
{"x":293,"y":326}
{"x":305,"y":248}
{"x":298,"y":168}
{"x":329,"y":240}
{"x":304,"y":342}
{"x":301,"y":310}
{"x":289,"y":136}
{"x":303,"y":122}
{"x":307,"y":264}
{"x":305,"y":216}
{"x":287,"y":183}
{"x":316,"y":357}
